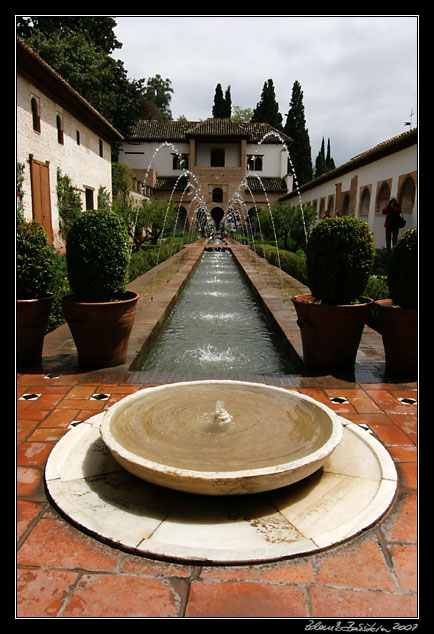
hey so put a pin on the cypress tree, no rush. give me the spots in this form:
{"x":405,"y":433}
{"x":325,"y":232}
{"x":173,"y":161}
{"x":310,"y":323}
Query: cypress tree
{"x":222,"y":104}
{"x":228,"y":103}
{"x":295,"y":128}
{"x":320,"y":163}
{"x":267,"y":110}
{"x":330,"y":164}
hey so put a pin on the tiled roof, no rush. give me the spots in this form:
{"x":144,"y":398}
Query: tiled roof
{"x":167,"y":183}
{"x":152,"y":130}
{"x":269,"y":183}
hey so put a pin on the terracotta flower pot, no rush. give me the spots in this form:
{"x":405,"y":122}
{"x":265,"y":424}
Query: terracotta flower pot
{"x":32,"y":322}
{"x":330,"y":334}
{"x":101,"y":331}
{"x":399,"y":329}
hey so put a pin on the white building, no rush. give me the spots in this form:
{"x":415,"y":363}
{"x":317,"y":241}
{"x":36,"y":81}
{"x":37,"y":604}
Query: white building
{"x":57,"y":128}
{"x":364,"y":185}
{"x":229,"y":166}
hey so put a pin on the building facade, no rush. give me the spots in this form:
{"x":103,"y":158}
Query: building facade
{"x":57,"y":129}
{"x":214,"y":167}
{"x":364,"y":185}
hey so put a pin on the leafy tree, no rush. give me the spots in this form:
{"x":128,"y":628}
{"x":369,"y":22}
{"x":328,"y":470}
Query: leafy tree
{"x":99,"y":29}
{"x":158,"y":218}
{"x":242,"y":115}
{"x":89,"y":69}
{"x":267,"y":110}
{"x":222,"y":104}
{"x":122,"y":181}
{"x":295,"y":127}
{"x":157,"y":97}
{"x":68,"y":203}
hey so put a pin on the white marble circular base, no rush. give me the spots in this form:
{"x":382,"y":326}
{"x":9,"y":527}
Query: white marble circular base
{"x":353,"y":489}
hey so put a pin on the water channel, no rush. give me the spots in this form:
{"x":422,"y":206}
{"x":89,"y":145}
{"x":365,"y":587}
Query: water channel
{"x":218,"y":325}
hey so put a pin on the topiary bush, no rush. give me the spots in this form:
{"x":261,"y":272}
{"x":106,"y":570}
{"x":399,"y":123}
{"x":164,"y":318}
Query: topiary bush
{"x":35,"y":262}
{"x":339,"y":259}
{"x":97,"y":257}
{"x":402,"y":274}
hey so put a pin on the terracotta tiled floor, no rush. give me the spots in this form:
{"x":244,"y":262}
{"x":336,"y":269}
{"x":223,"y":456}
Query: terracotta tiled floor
{"x":64,"y":573}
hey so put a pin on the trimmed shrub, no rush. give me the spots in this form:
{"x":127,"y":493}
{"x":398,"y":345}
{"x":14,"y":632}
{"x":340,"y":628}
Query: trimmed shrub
{"x":35,"y":262}
{"x":97,"y":257}
{"x":402,"y":271}
{"x":340,"y":256}
{"x":291,"y":263}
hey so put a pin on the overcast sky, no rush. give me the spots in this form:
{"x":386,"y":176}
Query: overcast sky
{"x":359,"y":74}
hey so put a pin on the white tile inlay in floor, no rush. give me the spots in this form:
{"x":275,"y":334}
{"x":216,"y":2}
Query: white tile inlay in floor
{"x":353,"y":489}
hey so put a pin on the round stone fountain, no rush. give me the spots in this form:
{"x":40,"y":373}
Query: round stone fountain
{"x":220,"y":437}
{"x":220,"y":471}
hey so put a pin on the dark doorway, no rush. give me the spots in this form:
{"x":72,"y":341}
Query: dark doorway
{"x":217,"y":215}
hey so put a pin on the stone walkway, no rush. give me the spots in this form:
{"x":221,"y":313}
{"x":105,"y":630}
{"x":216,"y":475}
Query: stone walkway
{"x":65,"y":573}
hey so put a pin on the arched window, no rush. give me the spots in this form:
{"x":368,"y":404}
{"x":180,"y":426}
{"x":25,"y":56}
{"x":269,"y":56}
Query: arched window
{"x":346,"y":205}
{"x":254,"y":163}
{"x":180,"y":162}
{"x":59,"y":125}
{"x":383,"y":196}
{"x":217,"y":195}
{"x":407,"y":195}
{"x":365,"y":200}
{"x":35,"y":114}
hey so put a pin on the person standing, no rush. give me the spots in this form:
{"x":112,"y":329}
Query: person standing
{"x":393,"y":222}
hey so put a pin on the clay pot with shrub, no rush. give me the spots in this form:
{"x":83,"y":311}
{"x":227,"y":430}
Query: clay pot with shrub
{"x":398,"y":316}
{"x":99,"y":310}
{"x":339,"y":259}
{"x":35,"y":273}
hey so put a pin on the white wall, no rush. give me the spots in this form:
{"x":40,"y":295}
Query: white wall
{"x":390,"y":167}
{"x":81,"y":163}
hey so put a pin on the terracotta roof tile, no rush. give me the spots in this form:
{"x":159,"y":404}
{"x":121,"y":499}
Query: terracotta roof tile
{"x":152,"y":130}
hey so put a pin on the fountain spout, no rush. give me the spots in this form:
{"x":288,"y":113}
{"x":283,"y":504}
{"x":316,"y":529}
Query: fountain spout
{"x":221,"y":415}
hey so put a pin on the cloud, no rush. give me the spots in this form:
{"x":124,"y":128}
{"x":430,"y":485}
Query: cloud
{"x":358,"y":73}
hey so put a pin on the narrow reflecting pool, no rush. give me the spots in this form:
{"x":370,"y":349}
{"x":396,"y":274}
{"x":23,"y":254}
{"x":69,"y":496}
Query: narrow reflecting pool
{"x":217,"y":324}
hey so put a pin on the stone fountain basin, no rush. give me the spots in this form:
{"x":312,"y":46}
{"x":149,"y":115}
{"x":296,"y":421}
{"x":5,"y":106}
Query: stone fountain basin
{"x":170,"y":436}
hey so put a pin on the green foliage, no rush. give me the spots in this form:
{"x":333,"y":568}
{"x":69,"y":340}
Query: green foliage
{"x":324,"y":163}
{"x":288,"y":224}
{"x":103,"y":199}
{"x":340,"y":256}
{"x":222,"y":104}
{"x":82,"y":60}
{"x":147,"y":257}
{"x":267,"y":110}
{"x":158,"y":218}
{"x":60,"y":288}
{"x":122,"y":181}
{"x":292,"y":263}
{"x":99,"y":29}
{"x":402,"y":273}
{"x":35,"y":262}
{"x":377,"y":288}
{"x":20,"y":192}
{"x":242,"y":115}
{"x":97,"y":256}
{"x":295,"y":127}
{"x":68,"y":203}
